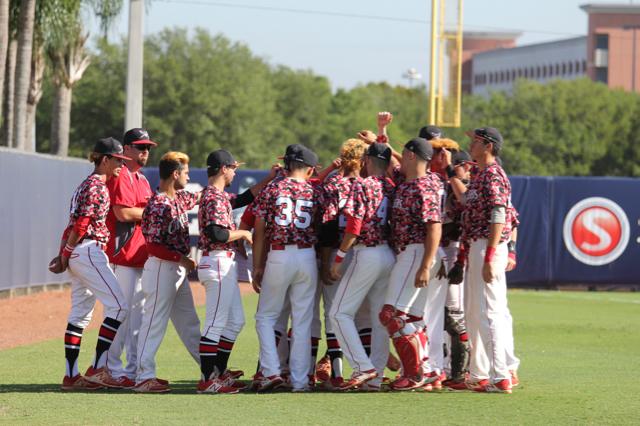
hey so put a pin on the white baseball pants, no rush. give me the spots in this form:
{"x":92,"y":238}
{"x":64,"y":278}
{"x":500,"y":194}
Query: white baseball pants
{"x":437,"y":292}
{"x":295,"y":270}
{"x":91,"y":278}
{"x":486,"y":314}
{"x":225,"y":316}
{"x":130,"y":280}
{"x":365,"y":282}
{"x":167,"y":295}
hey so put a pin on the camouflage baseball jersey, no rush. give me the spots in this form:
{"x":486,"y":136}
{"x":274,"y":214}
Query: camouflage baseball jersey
{"x":335,"y":190}
{"x":370,"y":201}
{"x":91,"y":200}
{"x":165,"y":220}
{"x":215,"y":209}
{"x":489,"y":188}
{"x":289,"y":209}
{"x":416,"y":202}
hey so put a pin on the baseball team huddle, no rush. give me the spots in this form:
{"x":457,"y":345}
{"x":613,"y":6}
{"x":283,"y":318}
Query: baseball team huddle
{"x":405,"y":247}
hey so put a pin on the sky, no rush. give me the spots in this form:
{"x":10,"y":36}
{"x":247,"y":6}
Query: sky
{"x":354,"y":42}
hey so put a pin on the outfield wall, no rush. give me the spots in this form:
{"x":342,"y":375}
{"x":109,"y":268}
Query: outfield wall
{"x":573,"y":230}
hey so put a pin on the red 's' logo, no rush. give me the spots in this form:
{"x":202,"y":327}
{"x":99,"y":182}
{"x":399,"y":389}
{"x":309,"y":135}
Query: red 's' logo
{"x":596,"y":231}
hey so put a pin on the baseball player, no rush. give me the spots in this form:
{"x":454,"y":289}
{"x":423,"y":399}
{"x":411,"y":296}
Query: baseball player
{"x":454,"y":309}
{"x":286,"y":221}
{"x":129,"y":193}
{"x":82,"y":252}
{"x":165,"y":285}
{"x":416,"y":231}
{"x":367,"y":276}
{"x":336,"y":190}
{"x":218,"y":272}
{"x":439,"y":285}
{"x":487,"y":227}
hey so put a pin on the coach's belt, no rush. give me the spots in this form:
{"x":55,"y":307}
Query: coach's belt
{"x":283,"y":246}
{"x":228,"y":253}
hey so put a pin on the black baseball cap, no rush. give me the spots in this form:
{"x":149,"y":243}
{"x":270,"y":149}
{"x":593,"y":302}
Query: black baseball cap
{"x":460,"y":157}
{"x":290,"y":149}
{"x":301,"y":154}
{"x":220,"y":158}
{"x":488,"y":134}
{"x":111,"y":147}
{"x":137,"y":136}
{"x":379,"y":150}
{"x":421,"y":147}
{"x":431,"y":132}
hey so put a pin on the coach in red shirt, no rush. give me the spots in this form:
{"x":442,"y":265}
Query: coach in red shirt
{"x":129,"y":193}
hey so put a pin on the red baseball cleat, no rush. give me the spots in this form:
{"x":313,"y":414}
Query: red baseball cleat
{"x":358,"y":378}
{"x":405,"y":383}
{"x":102,"y":377}
{"x":270,"y":383}
{"x":78,"y":383}
{"x":503,"y":386}
{"x":151,"y":386}
{"x":215,"y":386}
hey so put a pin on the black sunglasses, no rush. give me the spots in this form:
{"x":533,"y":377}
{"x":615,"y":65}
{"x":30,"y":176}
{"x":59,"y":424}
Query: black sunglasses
{"x":142,"y":147}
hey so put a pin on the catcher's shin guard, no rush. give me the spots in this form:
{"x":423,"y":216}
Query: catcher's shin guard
{"x":392,"y":319}
{"x":408,"y":349}
{"x":460,"y":349}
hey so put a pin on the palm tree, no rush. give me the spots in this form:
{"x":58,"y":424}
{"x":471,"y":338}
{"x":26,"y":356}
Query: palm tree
{"x":70,"y":59}
{"x":23,"y":71}
{"x":6,"y":134}
{"x":4,"y":45}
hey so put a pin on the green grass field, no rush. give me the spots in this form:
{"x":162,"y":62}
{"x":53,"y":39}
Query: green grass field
{"x":580,"y":355}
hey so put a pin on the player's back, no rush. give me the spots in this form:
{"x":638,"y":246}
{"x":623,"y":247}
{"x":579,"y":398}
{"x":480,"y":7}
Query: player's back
{"x":289,"y":209}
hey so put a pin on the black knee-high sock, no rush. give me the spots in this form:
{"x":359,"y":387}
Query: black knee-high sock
{"x":335,"y":355}
{"x":225,"y":346}
{"x":107,"y":333}
{"x":72,"y":340}
{"x":208,"y":355}
{"x":365,"y":338}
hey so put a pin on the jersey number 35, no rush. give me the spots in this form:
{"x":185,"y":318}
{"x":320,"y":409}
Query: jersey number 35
{"x":296,"y":211}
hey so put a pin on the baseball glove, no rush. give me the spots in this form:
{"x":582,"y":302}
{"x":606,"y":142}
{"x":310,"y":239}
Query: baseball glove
{"x":55,"y":265}
{"x":456,"y":274}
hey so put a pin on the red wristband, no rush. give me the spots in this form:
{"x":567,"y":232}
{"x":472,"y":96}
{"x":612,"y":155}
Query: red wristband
{"x":488,"y":256}
{"x":382,"y":139}
{"x":66,"y":251}
{"x":512,"y":257}
{"x":340,"y":255}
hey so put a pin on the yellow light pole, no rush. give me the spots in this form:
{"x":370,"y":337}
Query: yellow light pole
{"x":433,"y":64}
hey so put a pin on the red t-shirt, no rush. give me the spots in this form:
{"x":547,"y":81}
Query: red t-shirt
{"x":126,"y":246}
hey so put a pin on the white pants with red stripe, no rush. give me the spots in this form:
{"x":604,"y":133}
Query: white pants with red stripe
{"x":364,"y":282}
{"x":437,"y":292}
{"x":130,"y":280}
{"x":402,"y":293}
{"x":92,"y":278}
{"x":294,"y":270}
{"x":167,"y":295}
{"x":225,"y":316}
{"x":486,"y":314}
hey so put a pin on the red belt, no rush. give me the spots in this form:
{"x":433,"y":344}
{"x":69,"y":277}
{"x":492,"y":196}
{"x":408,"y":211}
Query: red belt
{"x":228,"y":252}
{"x":282,"y":246}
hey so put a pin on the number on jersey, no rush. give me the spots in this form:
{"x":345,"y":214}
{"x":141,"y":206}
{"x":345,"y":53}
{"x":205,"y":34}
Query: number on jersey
{"x":382,"y":211}
{"x":298,"y":212}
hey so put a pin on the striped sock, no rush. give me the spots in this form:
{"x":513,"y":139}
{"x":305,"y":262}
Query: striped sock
{"x":315,"y":341}
{"x":107,"y":333}
{"x":365,"y":338}
{"x":208,"y":355}
{"x":335,"y":355}
{"x":225,"y":346}
{"x":72,"y":340}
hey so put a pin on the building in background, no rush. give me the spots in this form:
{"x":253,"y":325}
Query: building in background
{"x":607,"y":54}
